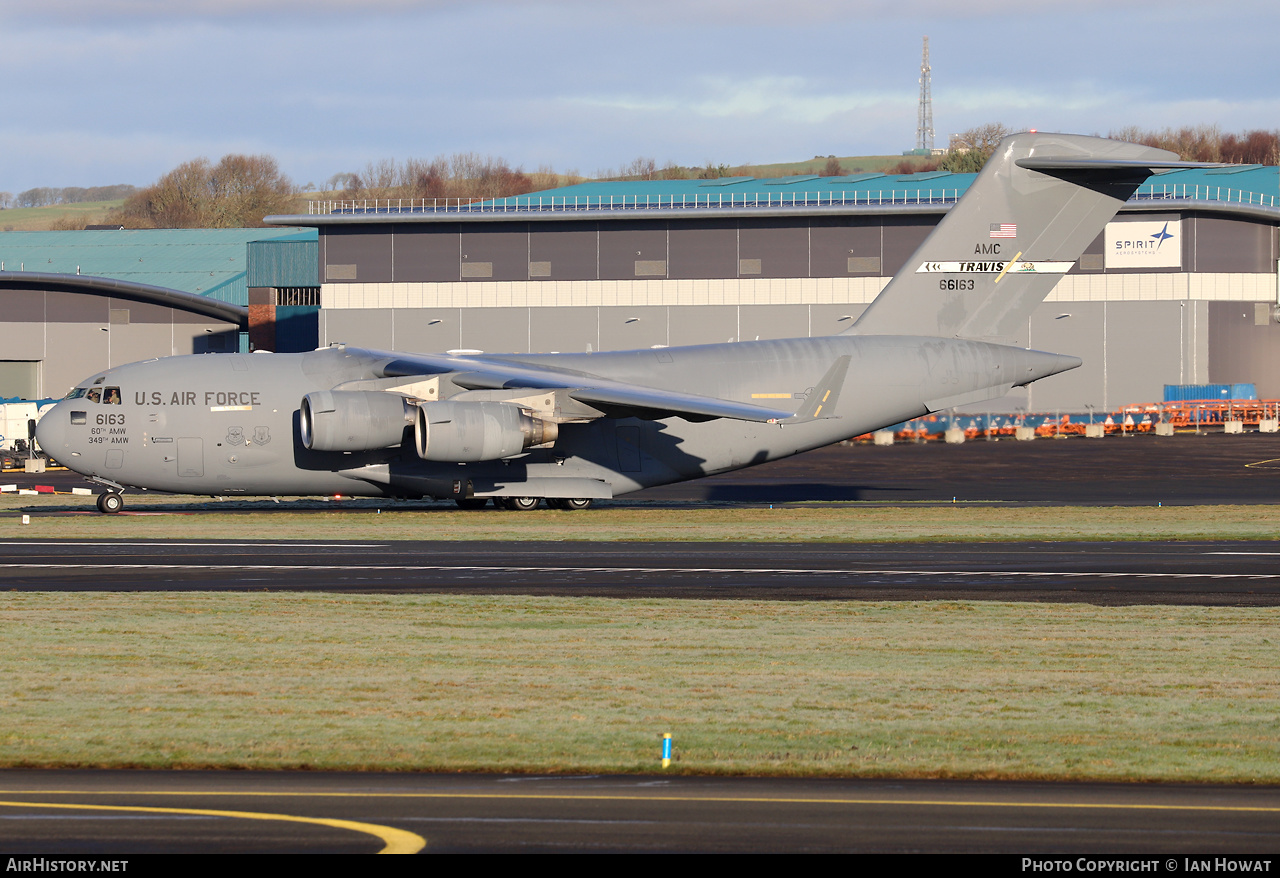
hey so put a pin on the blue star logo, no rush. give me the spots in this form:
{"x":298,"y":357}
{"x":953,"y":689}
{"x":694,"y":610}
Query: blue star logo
{"x":1162,"y":236}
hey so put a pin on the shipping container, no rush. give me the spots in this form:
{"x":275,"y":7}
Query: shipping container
{"x":1189,"y":392}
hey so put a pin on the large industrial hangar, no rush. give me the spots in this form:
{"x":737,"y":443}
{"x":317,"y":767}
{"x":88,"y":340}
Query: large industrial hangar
{"x":1181,"y":288}
{"x":75,"y":303}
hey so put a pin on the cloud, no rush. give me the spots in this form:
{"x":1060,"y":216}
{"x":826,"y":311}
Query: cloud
{"x":780,"y":98}
{"x":83,"y":157}
{"x":327,"y":85}
{"x":756,"y":13}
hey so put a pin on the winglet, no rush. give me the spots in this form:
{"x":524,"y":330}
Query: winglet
{"x":824,"y":396}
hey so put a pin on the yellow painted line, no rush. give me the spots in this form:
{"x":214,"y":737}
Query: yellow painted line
{"x":621,"y":797}
{"x":397,"y":841}
{"x":771,"y":396}
{"x":1261,"y":462}
{"x":1008,"y":265}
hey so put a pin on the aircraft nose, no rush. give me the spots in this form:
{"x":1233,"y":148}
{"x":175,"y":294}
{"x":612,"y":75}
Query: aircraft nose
{"x":51,"y":432}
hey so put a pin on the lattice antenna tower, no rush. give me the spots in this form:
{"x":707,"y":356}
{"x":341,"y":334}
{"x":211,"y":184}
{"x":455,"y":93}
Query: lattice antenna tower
{"x":924,"y":125}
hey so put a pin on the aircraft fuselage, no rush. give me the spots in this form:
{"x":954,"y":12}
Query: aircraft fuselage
{"x":229,"y":424}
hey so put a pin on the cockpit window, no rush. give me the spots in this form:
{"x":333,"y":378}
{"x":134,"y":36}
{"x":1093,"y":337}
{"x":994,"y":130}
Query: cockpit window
{"x":95,"y":395}
{"x":111,"y":396}
{"x":76,"y":393}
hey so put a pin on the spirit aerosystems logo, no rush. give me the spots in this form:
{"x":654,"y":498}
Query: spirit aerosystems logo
{"x":1144,"y":244}
{"x":1161,"y":236}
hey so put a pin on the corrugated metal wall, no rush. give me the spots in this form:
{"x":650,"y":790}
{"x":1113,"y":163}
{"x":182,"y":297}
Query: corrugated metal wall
{"x":283,"y":264}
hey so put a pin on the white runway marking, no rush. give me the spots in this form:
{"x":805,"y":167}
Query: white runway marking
{"x":1272,"y":554}
{"x":771,"y":571}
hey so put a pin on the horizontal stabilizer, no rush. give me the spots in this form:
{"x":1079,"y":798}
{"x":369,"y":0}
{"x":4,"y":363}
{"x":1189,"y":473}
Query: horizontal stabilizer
{"x":1108,"y":166}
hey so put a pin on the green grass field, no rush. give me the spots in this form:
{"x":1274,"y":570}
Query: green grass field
{"x":37,"y":219}
{"x":528,"y":684}
{"x":534,"y":684}
{"x":58,"y":517}
{"x":852,"y":164}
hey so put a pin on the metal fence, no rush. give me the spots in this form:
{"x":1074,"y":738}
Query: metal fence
{"x":700,"y":201}
{"x":1195,"y":192}
{"x":1171,"y":192}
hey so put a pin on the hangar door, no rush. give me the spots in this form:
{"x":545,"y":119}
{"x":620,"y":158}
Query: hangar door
{"x":20,"y":378}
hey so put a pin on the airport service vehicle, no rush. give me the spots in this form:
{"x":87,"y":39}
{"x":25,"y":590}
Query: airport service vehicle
{"x":571,"y":428}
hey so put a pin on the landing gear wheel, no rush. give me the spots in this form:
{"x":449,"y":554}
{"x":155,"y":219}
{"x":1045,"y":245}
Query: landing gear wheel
{"x":569,"y":503}
{"x":111,"y":502}
{"x":472,"y":502}
{"x":521,"y":504}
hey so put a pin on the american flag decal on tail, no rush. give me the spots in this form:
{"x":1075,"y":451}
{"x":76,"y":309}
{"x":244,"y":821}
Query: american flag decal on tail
{"x":1004,"y":230}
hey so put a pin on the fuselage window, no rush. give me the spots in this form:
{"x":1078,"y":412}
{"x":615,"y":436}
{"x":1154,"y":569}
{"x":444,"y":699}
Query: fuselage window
{"x":111,"y":396}
{"x":76,"y":393}
{"x":95,"y":395}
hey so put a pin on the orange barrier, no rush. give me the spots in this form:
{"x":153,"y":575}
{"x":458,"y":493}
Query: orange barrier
{"x":1189,"y":413}
{"x":1136,"y":418}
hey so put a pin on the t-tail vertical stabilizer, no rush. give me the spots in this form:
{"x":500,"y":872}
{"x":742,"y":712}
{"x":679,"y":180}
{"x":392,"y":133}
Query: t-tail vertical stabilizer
{"x":1040,"y":200}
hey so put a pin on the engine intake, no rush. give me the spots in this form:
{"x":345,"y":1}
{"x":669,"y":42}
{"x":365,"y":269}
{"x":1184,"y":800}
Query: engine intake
{"x":463,"y":432}
{"x":354,"y":420}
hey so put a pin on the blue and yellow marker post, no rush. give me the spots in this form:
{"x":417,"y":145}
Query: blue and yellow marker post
{"x":666,"y":750}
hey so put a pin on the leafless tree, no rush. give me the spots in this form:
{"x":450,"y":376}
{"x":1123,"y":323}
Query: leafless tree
{"x":970,"y":150}
{"x":1205,"y":143}
{"x":832,"y":168}
{"x":236,"y":193}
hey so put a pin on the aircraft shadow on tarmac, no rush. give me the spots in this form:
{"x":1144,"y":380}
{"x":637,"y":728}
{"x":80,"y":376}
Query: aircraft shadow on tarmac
{"x":796,"y":492}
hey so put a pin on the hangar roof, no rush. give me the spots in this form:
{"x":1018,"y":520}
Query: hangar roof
{"x":724,"y":188}
{"x":1232,"y":182}
{"x":205,"y":262}
{"x":1248,"y":189}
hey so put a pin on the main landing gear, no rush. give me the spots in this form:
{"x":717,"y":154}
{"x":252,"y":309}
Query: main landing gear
{"x":518,"y":504}
{"x":110,"y":502}
{"x":524,"y":504}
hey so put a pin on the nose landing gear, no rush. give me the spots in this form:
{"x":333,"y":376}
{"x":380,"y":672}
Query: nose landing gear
{"x":110,"y":502}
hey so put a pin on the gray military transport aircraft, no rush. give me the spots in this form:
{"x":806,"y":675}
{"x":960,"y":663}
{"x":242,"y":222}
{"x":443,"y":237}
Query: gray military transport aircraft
{"x":570,"y":428}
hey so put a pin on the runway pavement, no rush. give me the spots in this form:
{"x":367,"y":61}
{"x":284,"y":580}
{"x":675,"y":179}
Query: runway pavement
{"x":1205,"y":573}
{"x":114,"y":814}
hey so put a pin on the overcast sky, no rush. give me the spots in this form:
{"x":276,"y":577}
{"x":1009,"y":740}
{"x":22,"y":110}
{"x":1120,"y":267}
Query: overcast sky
{"x":100,"y":92}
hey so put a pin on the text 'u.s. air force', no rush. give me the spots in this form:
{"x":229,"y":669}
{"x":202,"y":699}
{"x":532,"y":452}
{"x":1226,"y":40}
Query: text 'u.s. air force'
{"x":192,"y":397}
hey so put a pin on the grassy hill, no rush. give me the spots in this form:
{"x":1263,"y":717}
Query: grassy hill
{"x":76,"y":216}
{"x":852,"y":164}
{"x":38,"y":219}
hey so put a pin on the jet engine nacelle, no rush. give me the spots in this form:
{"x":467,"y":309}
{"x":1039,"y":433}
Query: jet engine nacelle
{"x":459,"y":432}
{"x":354,"y":420}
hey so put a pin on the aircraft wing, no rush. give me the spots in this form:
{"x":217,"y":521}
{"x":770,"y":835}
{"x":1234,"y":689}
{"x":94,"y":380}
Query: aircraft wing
{"x":615,"y":398}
